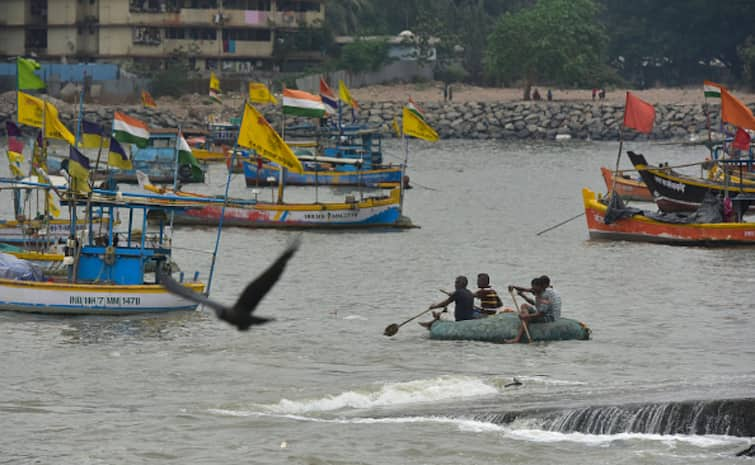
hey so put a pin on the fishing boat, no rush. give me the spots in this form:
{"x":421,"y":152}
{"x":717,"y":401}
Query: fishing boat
{"x":351,"y":155}
{"x":33,"y":228}
{"x":627,"y":187}
{"x":677,"y":192}
{"x":158,"y":160}
{"x":325,"y":171}
{"x":381,"y":210}
{"x":106,"y":272}
{"x":646,"y":226}
{"x":503,"y":326}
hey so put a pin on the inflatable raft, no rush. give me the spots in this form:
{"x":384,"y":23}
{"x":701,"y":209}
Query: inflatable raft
{"x":503,"y":326}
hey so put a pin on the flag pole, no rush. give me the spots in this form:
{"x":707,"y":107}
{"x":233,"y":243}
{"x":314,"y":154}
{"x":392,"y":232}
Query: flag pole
{"x":222,"y":211}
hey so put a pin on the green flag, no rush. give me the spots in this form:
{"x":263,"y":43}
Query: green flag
{"x":26,"y":78}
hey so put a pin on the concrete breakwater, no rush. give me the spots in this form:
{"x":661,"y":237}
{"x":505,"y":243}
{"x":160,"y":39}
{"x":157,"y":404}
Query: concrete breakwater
{"x":469,"y":120}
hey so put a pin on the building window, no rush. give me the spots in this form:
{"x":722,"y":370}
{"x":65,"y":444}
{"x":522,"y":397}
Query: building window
{"x":202,"y":33}
{"x":36,"y":39}
{"x":200,"y":4}
{"x":175,"y":33}
{"x":146,"y":35}
{"x":300,"y":6}
{"x":250,"y":35}
{"x":154,"y":6}
{"x":252,"y":5}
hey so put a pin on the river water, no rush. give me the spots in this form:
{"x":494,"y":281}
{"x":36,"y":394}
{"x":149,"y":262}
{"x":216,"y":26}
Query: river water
{"x":667,"y":377}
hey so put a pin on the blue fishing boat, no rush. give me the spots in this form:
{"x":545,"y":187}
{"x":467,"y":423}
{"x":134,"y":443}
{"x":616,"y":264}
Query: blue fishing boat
{"x":107,"y":269}
{"x":350,"y":156}
{"x":158,"y":160}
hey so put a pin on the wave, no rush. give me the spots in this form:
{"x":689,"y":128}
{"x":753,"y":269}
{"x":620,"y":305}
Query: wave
{"x":729,"y":417}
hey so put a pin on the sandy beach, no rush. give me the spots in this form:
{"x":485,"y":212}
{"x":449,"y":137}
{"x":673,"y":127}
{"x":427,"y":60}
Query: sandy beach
{"x":433,"y":92}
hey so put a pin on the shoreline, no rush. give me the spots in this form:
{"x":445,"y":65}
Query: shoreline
{"x":473,"y":112}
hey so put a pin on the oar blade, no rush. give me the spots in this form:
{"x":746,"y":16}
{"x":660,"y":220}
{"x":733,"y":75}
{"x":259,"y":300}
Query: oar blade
{"x":390,"y":330}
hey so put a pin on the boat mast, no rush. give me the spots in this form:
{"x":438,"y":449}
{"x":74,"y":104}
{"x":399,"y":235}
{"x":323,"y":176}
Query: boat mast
{"x":225,"y":203}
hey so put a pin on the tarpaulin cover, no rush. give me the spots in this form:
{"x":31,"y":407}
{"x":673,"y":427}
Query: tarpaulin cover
{"x":22,"y":270}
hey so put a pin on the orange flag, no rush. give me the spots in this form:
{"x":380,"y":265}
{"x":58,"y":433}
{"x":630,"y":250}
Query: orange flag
{"x":735,"y":112}
{"x":638,"y":114}
{"x":147,"y":100}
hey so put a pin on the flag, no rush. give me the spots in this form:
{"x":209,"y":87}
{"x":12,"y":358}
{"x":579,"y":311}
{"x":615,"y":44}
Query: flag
{"x":185,"y":157}
{"x":735,"y":112}
{"x":328,"y":97}
{"x":147,"y":100}
{"x":258,"y":93}
{"x":414,"y":108}
{"x":54,"y":128}
{"x":31,"y":111}
{"x":25,"y":68}
{"x":396,"y":128}
{"x":741,"y":140}
{"x":638,"y":114}
{"x":92,"y":135}
{"x":345,"y":95}
{"x":117,"y":156}
{"x":214,"y":87}
{"x":130,"y":130}
{"x":15,"y":149}
{"x":38,"y":156}
{"x":417,"y":127}
{"x":298,"y":102}
{"x":52,"y":205}
{"x":256,"y":133}
{"x":711,"y":89}
{"x":78,"y":169}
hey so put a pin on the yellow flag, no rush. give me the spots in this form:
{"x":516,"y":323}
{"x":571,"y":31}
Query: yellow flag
{"x":417,"y":127}
{"x":259,"y":93}
{"x":54,"y":128}
{"x":256,"y":133}
{"x":345,"y":95}
{"x":214,"y":82}
{"x":52,"y":205}
{"x":15,"y":162}
{"x":396,"y":128}
{"x":31,"y":111}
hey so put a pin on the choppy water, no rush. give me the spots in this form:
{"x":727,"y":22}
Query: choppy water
{"x":672,"y":339}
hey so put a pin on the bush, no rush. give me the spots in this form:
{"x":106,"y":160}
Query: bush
{"x":364,"y":55}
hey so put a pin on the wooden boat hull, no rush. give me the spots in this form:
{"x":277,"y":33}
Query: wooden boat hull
{"x":90,"y":299}
{"x":628,"y":189}
{"x":644,"y":229}
{"x":371,"y":212}
{"x":498,"y":328}
{"x":268,"y":175}
{"x":675,"y":192}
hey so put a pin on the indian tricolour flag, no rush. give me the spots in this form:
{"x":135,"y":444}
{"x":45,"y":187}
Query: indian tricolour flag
{"x":414,"y":108}
{"x":300,"y":103}
{"x":711,"y":89}
{"x":130,"y":130}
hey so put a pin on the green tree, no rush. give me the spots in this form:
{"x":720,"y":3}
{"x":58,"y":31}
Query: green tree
{"x":175,"y":77}
{"x":559,"y":40}
{"x":364,"y":55}
{"x":746,"y":53}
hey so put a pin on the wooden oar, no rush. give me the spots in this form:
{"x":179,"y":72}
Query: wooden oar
{"x":524,"y":323}
{"x":392,"y":329}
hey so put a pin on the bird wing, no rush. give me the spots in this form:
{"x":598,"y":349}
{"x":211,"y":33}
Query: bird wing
{"x":174,"y":287}
{"x":257,"y":289}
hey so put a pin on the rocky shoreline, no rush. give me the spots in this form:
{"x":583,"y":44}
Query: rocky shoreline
{"x":460,"y":120}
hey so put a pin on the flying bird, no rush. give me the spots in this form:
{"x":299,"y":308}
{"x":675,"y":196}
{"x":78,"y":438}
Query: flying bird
{"x":240,"y":315}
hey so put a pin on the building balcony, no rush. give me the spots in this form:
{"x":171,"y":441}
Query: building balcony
{"x":296,"y":19}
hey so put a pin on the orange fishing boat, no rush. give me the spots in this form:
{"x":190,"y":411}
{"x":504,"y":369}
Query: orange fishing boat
{"x":647,"y":227}
{"x":626,"y":187}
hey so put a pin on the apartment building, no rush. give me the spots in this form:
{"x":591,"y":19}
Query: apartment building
{"x":231,"y":35}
